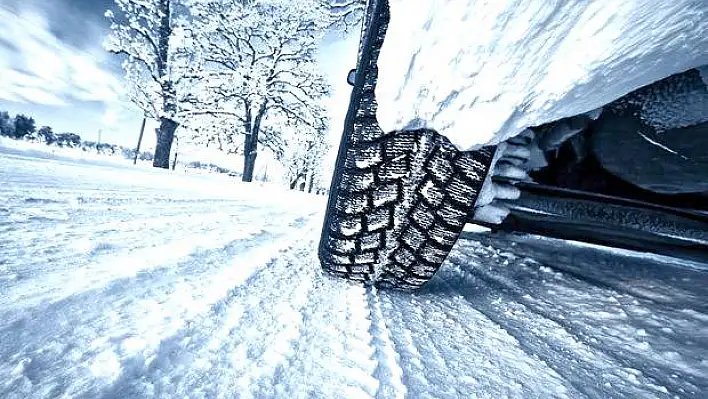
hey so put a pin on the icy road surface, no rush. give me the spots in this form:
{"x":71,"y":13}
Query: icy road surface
{"x":117,"y":282}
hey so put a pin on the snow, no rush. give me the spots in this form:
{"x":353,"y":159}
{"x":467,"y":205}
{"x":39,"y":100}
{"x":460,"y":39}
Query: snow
{"x":480,"y":72}
{"x":125,"y":282}
{"x":679,"y":101}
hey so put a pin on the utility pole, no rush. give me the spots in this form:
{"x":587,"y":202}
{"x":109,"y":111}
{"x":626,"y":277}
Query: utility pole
{"x":176,"y":148}
{"x":140,"y":140}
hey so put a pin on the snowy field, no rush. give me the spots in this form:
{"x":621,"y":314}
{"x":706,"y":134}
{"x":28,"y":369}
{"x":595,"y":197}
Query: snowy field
{"x":122,"y":282}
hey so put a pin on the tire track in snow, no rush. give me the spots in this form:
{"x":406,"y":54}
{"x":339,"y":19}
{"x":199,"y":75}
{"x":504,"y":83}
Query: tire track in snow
{"x":127,"y":320}
{"x":546,"y":339}
{"x":602,"y":305}
{"x":448,"y":357}
{"x":456,"y":307}
{"x":75,"y":269}
{"x":236,"y":344}
{"x":388,"y":370}
{"x":427,"y":373}
{"x":108,"y":225}
{"x":546,"y":332}
{"x":413,"y":372}
{"x":333,"y":356}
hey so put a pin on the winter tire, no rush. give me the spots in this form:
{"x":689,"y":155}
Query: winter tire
{"x":398,"y":201}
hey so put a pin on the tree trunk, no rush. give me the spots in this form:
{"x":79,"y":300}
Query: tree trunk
{"x":311,"y":183}
{"x":165,"y":135}
{"x":293,"y":184}
{"x":250,"y":150}
{"x":166,"y":131}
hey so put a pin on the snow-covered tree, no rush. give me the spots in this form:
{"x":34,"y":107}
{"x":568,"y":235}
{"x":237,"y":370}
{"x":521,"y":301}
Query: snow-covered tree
{"x":303,"y":158}
{"x":345,"y":13}
{"x":220,"y":131}
{"x":260,"y":68}
{"x":153,"y":37}
{"x":301,"y":148}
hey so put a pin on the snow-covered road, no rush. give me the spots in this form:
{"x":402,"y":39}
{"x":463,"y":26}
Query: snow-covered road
{"x":121,"y":282}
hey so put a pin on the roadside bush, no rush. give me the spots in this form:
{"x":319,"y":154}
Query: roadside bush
{"x":72,"y":140}
{"x":24,"y":125}
{"x":46,"y":135}
{"x":7,"y":125}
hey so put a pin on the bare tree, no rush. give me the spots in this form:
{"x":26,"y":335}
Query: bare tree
{"x":153,"y":38}
{"x":259,"y":66}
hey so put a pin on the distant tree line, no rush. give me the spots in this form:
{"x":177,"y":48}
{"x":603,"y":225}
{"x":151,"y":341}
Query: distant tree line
{"x":23,"y":127}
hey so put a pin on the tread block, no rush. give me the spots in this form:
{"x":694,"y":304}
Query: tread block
{"x":387,"y":281}
{"x":440,"y":167}
{"x":431,"y":192}
{"x":400,"y":273}
{"x":347,"y":225}
{"x":413,"y":237}
{"x":399,"y":144}
{"x":363,"y":269}
{"x":366,"y":132}
{"x":365,"y":258}
{"x":442,"y":236}
{"x":367,"y":156}
{"x":342,"y":246}
{"x":433,"y":255}
{"x":357,"y":180}
{"x":369,"y":241}
{"x":461,"y":191}
{"x":338,"y":259}
{"x":338,"y":267}
{"x":421,"y":273}
{"x":361,"y":277}
{"x":386,"y":194}
{"x":379,"y":219}
{"x":452,"y":215}
{"x":415,"y":282}
{"x":473,"y":165}
{"x":355,"y":203}
{"x":336,"y":273}
{"x":404,"y":257}
{"x":423,"y":216}
{"x":395,"y":169}
{"x":425,"y":270}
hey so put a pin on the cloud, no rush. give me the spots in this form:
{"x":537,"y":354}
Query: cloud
{"x":38,"y":68}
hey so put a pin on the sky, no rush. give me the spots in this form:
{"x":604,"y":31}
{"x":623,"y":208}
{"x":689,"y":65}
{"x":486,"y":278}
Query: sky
{"x":53,"y":67}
